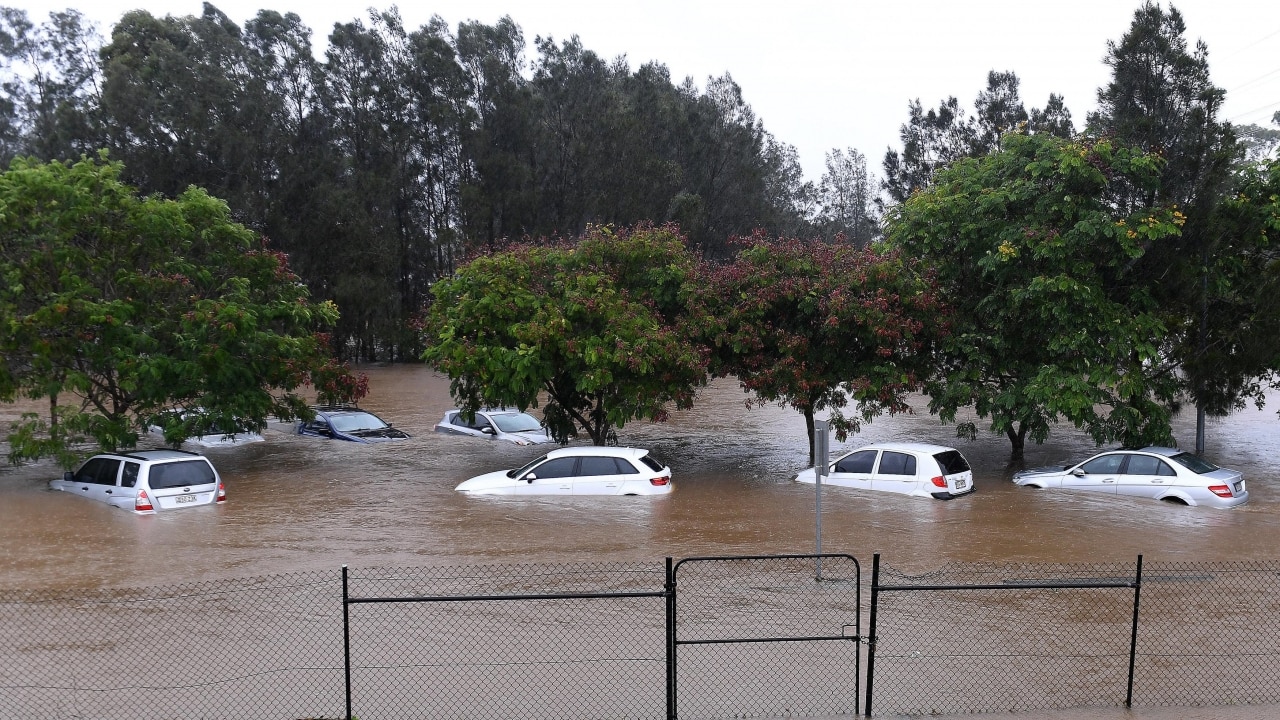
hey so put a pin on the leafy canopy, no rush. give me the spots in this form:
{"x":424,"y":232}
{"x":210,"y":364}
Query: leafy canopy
{"x":813,"y":325}
{"x":1050,"y":322}
{"x":133,"y":304}
{"x":593,"y":324}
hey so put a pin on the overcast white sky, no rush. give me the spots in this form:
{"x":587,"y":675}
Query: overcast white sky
{"x":837,"y":74}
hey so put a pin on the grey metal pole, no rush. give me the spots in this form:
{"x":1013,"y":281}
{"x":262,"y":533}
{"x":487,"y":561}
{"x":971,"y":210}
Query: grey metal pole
{"x":821,"y":453}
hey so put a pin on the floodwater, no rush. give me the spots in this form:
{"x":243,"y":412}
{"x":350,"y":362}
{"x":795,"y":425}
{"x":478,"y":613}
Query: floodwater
{"x":299,"y":503}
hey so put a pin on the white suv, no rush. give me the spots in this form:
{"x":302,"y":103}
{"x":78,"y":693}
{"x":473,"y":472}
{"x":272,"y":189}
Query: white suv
{"x":146,"y":481}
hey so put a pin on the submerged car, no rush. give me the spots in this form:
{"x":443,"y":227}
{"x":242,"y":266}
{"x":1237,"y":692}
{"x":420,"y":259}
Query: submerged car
{"x":146,"y":481}
{"x":496,"y":424}
{"x":1161,"y":473}
{"x":204,"y":431}
{"x":588,"y":470}
{"x":350,"y":423}
{"x":917,"y":469}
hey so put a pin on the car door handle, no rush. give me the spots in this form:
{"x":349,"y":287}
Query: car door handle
{"x":1157,"y":482}
{"x":1109,"y":480}
{"x":108,"y":492}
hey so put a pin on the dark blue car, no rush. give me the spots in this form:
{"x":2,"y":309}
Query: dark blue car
{"x":350,"y":423}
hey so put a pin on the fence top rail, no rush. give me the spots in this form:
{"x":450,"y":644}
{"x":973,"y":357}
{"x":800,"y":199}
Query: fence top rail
{"x":798,"y":556}
{"x":1017,"y":585}
{"x":486,"y":598}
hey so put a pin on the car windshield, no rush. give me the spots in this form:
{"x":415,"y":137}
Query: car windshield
{"x":519,"y":472}
{"x":516,"y":422}
{"x":355,"y":422}
{"x":1194,"y":463}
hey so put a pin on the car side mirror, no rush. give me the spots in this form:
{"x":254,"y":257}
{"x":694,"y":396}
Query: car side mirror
{"x":487,"y":430}
{"x":530,"y":478}
{"x":1078,"y":472}
{"x":68,"y":476}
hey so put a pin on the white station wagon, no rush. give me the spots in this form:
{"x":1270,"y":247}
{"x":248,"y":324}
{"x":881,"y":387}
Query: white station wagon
{"x":587,"y":470}
{"x":146,"y":481}
{"x":916,"y":469}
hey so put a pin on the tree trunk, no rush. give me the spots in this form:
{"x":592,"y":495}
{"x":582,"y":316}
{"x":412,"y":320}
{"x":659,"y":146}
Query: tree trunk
{"x":808,"y":426}
{"x":1017,"y":439}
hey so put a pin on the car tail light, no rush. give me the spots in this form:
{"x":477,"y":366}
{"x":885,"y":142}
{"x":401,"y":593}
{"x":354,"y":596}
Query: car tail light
{"x":1220,"y":490}
{"x":142,"y":503}
{"x":222,"y":492}
{"x":659,"y":481}
{"x":939,"y":481}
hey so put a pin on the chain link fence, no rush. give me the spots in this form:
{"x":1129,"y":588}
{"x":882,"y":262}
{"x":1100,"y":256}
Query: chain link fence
{"x":767,"y":637}
{"x":529,"y":641}
{"x":705,"y":638}
{"x":267,"y":646}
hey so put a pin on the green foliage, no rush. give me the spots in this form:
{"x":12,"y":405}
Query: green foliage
{"x":813,"y":326}
{"x":132,"y":304}
{"x":1050,"y":323}
{"x":593,"y":325}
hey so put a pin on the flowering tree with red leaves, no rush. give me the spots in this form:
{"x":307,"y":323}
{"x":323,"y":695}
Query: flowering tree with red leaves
{"x":592,"y":325}
{"x":814,"y":326}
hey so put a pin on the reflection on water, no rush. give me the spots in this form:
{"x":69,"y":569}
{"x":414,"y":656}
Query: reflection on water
{"x":300,"y":503}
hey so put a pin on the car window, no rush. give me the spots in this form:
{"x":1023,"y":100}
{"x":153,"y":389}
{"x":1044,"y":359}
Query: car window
{"x":1147,"y":465}
{"x":649,"y":462}
{"x":896,"y":463}
{"x":600,"y":466}
{"x":860,"y":462}
{"x":951,"y":462}
{"x":1194,"y":463}
{"x":180,"y":474}
{"x":558,"y":468}
{"x":99,"y":471}
{"x":461,"y":422}
{"x":129,"y":477}
{"x":318,"y":425}
{"x":1104,"y":464}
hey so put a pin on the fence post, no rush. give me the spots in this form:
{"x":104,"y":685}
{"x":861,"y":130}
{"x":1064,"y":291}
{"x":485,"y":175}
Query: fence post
{"x":346,"y":638}
{"x":1133,"y":638}
{"x":670,"y":589}
{"x":871,"y":628}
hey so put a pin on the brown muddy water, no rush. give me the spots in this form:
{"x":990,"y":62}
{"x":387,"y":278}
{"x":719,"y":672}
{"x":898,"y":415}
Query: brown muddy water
{"x":299,"y":503}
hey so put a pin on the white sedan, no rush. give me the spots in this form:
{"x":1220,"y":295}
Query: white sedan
{"x":588,"y":470}
{"x":917,"y":469}
{"x":496,"y":424}
{"x":1152,"y":472}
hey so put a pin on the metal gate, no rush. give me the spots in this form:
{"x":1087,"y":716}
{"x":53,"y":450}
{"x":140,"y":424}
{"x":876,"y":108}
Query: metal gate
{"x":793,"y":624}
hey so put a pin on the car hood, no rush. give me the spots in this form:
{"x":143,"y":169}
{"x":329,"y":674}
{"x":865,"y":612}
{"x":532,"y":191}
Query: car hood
{"x":1046,"y":470}
{"x":529,"y":437}
{"x":488,"y":481}
{"x":379,"y":435}
{"x":806,"y":476}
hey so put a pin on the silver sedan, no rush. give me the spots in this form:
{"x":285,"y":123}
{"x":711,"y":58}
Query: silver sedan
{"x":1153,"y":472}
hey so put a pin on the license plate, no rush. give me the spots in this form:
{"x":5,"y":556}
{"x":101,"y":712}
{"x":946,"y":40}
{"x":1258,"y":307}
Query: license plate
{"x":1239,"y":485}
{"x":961,"y":483}
{"x":180,"y":499}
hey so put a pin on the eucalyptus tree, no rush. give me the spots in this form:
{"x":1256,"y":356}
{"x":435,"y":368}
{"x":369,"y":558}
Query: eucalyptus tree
{"x":182,"y":107}
{"x":1162,"y":99}
{"x":934,"y":138}
{"x":497,"y":194}
{"x":52,"y":82}
{"x":846,"y":196}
